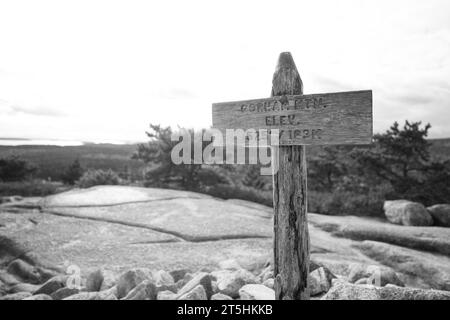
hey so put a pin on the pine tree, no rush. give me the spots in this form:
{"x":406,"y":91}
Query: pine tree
{"x":72,"y":173}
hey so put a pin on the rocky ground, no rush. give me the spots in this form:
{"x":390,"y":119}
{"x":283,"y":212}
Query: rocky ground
{"x":136,"y":243}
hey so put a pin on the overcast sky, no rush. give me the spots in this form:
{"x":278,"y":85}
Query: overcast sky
{"x":103,"y":70}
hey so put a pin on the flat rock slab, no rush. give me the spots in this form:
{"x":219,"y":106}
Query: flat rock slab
{"x":188,"y":219}
{"x":124,"y":227}
{"x":113,"y":195}
{"x":433,"y":239}
{"x":121,"y":227}
{"x":187,"y":216}
{"x":63,"y":241}
{"x":420,"y":254}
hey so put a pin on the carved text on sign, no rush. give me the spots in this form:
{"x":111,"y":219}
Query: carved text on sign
{"x":330,"y":118}
{"x":284,"y":103}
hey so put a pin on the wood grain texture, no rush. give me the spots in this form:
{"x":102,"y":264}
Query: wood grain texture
{"x":291,"y":237}
{"x":315,"y":119}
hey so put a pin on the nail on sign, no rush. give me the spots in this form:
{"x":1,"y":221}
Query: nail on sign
{"x":315,"y":119}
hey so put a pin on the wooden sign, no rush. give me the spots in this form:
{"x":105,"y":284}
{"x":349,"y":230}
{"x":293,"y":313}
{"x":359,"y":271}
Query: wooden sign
{"x":315,"y":119}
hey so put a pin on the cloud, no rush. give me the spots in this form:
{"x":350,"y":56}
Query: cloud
{"x":399,"y":49}
{"x":413,"y":98}
{"x":6,"y":107}
{"x":37,"y":111}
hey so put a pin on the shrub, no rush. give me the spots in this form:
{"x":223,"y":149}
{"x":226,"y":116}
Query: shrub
{"x":254,"y":179}
{"x":15,"y":169}
{"x":98,"y":177}
{"x":32,"y":188}
{"x":226,"y":191}
{"x":346,"y":203}
{"x":326,"y":169}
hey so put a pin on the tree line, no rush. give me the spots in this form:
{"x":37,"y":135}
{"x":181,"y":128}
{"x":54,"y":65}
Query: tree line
{"x":397,"y":165}
{"x":341,"y":179}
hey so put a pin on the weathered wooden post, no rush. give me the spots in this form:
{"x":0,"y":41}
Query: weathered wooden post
{"x":316,"y":119}
{"x":291,"y":237}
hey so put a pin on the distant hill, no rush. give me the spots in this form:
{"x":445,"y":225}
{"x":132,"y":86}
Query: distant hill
{"x":440,"y":149}
{"x":53,"y":160}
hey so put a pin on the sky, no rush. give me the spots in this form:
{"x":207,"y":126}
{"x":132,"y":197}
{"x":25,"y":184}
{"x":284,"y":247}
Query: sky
{"x":101,"y":71}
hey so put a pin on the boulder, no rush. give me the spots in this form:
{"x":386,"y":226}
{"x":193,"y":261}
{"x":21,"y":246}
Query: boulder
{"x":16,"y":296}
{"x":8,"y":279}
{"x":407,"y":213}
{"x":24,"y":287}
{"x":39,"y":297}
{"x":318,"y":281}
{"x":256,"y":292}
{"x":269,"y":283}
{"x":341,"y":290}
{"x":215,"y":288}
{"x":179,"y":274}
{"x":363,"y":281}
{"x":166,"y":295}
{"x":146,"y":290}
{"x":188,"y":277}
{"x":267,"y":273}
{"x":179,"y":284}
{"x":94,"y":281}
{"x":52,"y":285}
{"x":130,"y":279}
{"x":109,"y":280}
{"x":391,"y":292}
{"x":220,"y":296}
{"x":347,"y":291}
{"x":440,"y":214}
{"x":230,"y":264}
{"x":163,"y":278}
{"x":109,"y":294}
{"x":84,"y":296}
{"x":64,"y":293}
{"x":203,"y":279}
{"x":375,"y":275}
{"x":313,"y":265}
{"x":229,"y":282}
{"x":24,"y":271}
{"x":103,"y":295}
{"x":182,"y":282}
{"x":198,"y":293}
{"x":108,"y":297}
{"x":46,"y":274}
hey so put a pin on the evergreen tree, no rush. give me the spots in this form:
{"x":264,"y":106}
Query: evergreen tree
{"x":15,"y":169}
{"x":73,"y":173}
{"x":402,"y":158}
{"x":164,"y":172}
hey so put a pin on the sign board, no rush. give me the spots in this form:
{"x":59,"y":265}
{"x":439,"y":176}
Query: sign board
{"x":314,"y":119}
